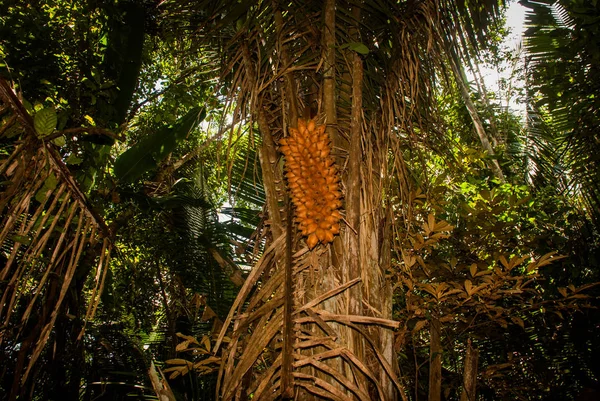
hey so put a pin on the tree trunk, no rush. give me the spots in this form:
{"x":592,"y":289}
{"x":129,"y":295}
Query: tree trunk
{"x":342,"y":303}
{"x":469,"y":392}
{"x":435,"y":360}
{"x":477,"y":123}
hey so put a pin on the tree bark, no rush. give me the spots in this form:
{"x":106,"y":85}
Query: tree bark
{"x":351,"y":246}
{"x":287,"y":390}
{"x":267,"y":154}
{"x":435,"y":360}
{"x":329,"y":68}
{"x":469,"y":392}
{"x":290,"y":87}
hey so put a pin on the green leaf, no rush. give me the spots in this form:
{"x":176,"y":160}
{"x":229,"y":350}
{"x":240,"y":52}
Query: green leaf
{"x":23,"y":239}
{"x":236,"y":13}
{"x":51,"y":182}
{"x":28,"y":106}
{"x":74,"y":160}
{"x":49,"y":185}
{"x":13,"y":131}
{"x":60,"y":141}
{"x":90,"y":120}
{"x":45,"y":121}
{"x":358,"y":47}
{"x":147,"y":153}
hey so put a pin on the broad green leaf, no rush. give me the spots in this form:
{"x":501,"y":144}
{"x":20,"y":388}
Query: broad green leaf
{"x":28,"y":106}
{"x":49,"y":185}
{"x":73,"y":160}
{"x":358,"y":47}
{"x":60,"y":141}
{"x":147,"y":153}
{"x":44,"y":121}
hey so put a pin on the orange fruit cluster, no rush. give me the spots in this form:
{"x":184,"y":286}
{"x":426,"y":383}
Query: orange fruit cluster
{"x":313,"y":181}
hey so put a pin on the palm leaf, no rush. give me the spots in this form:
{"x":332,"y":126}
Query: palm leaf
{"x":563,"y":75}
{"x":48,"y":225}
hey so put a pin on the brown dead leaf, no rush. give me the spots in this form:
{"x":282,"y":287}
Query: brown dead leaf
{"x":518,"y":321}
{"x":409,"y":260}
{"x":206,"y":343}
{"x":182,"y":346}
{"x":178,"y":361}
{"x":468,"y":287}
{"x":207,"y":314}
{"x":419,"y":326}
{"x":504,"y":261}
{"x":207,"y":361}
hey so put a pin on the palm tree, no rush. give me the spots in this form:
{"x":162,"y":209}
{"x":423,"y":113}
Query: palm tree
{"x":562,"y":75}
{"x":317,"y":322}
{"x":49,"y":231}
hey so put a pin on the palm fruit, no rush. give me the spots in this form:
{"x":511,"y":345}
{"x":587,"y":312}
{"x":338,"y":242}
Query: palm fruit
{"x":313,"y":182}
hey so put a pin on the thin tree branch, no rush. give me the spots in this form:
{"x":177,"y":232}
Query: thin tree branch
{"x":90,"y":130}
{"x":479,"y":129}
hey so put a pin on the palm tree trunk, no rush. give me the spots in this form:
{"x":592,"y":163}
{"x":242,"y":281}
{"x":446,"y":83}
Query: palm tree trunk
{"x":290,"y":88}
{"x":287,"y":390}
{"x":351,"y":247}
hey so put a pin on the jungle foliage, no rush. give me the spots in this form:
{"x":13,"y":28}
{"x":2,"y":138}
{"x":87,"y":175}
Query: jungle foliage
{"x":144,"y":222}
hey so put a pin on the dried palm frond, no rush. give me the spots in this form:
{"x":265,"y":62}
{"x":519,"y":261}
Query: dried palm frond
{"x":47,"y":225}
{"x":317,"y":339}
